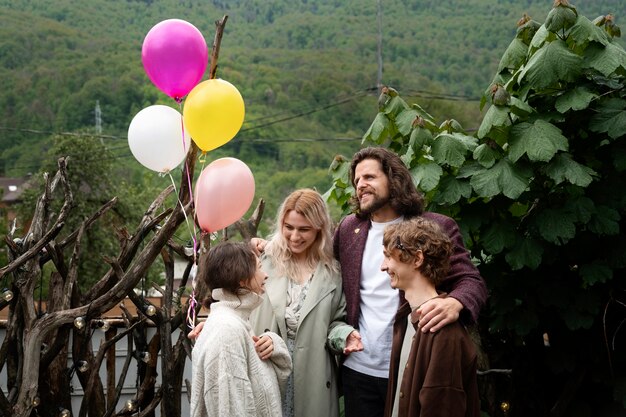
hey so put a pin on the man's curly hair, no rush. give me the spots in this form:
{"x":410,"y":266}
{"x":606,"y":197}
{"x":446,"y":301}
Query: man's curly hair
{"x":405,"y":239}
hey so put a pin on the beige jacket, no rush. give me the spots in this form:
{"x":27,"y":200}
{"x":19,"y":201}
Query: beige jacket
{"x":322,"y":330}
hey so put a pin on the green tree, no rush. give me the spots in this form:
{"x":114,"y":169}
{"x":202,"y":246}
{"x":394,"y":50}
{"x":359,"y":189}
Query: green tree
{"x":95,"y":177}
{"x":539,"y":194}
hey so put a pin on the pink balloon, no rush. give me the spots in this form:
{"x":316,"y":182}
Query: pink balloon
{"x":175,"y":56}
{"x":224,"y":192}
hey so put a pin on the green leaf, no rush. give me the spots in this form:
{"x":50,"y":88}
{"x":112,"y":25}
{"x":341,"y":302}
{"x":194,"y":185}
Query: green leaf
{"x":469,"y":168}
{"x":426,"y":175}
{"x":423,"y":113}
{"x":504,"y":177}
{"x":551,"y":63}
{"x":596,"y":272}
{"x":514,"y":56}
{"x":619,"y":159}
{"x":340,"y":171}
{"x":378,"y":130}
{"x":555,"y":226}
{"x":561,"y":17}
{"x":498,"y":236}
{"x":605,"y":60}
{"x":541,"y":36}
{"x":520,"y":108}
{"x":605,"y":221}
{"x":495,"y":116}
{"x":526,"y":252}
{"x":584,"y":32}
{"x":449,"y":149}
{"x":610,"y":118}
{"x":576,"y":99}
{"x":582,"y":208}
{"x":563,"y":167}
{"x":527,"y":31}
{"x":486,"y":155}
{"x":420,"y":136}
{"x":575,"y":320}
{"x":404,"y":121}
{"x":540,"y":141}
{"x":394,"y":106}
{"x":451,"y":190}
{"x":407,"y":158}
{"x":518,"y":209}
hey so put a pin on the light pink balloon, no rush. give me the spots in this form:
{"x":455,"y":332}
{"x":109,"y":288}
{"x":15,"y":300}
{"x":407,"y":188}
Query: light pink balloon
{"x":224,"y":192}
{"x":175,"y":56}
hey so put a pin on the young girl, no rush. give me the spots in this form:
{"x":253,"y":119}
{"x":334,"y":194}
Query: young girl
{"x":229,"y":378}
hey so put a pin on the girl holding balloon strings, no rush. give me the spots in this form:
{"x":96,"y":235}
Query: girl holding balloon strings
{"x":305,"y":305}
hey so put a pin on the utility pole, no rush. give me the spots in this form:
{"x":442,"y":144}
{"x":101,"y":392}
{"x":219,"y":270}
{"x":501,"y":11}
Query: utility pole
{"x":99,"y":121}
{"x":379,"y":18}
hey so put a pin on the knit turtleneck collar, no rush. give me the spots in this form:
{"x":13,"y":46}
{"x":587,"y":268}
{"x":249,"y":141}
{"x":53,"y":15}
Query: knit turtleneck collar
{"x":241,"y":304}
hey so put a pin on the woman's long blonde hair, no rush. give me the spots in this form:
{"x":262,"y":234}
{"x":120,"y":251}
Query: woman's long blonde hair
{"x":310,"y":204}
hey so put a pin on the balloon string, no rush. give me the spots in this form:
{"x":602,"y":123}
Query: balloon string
{"x":184,"y":212}
{"x":191,"y":311}
{"x":193,"y":235}
{"x":182,"y":123}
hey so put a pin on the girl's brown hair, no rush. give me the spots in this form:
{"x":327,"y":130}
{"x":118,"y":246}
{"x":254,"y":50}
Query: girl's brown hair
{"x":228,"y":265}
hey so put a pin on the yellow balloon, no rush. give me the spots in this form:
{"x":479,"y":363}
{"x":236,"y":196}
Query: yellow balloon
{"x":213,"y":113}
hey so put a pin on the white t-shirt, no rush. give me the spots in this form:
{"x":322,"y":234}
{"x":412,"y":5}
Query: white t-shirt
{"x":379,"y":304}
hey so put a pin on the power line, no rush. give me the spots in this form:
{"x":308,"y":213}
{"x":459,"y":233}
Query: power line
{"x":295,"y":116}
{"x":356,"y":94}
{"x":438,"y":96}
{"x":100,"y":136}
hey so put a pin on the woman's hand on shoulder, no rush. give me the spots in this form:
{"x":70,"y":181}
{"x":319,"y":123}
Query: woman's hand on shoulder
{"x":258,"y":245}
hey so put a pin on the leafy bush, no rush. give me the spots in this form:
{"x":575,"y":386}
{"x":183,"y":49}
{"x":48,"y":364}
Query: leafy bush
{"x":538,"y":191}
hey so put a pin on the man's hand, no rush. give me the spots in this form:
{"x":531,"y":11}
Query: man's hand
{"x":437,"y":313}
{"x":353,"y":343}
{"x":195,"y":332}
{"x":264,"y":346}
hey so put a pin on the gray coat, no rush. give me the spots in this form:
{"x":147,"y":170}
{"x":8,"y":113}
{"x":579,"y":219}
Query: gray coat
{"x":322,"y":328}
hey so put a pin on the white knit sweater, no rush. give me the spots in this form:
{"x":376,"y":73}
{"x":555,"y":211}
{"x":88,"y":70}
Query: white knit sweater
{"x":229,"y":378}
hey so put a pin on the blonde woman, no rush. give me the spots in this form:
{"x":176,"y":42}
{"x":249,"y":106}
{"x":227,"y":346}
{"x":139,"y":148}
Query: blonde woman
{"x":305,"y":305}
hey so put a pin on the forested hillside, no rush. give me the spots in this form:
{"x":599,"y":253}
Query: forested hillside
{"x":307,"y":70}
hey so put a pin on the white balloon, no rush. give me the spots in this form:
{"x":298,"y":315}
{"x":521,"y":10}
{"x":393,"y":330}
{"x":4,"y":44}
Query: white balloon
{"x":155,"y":137}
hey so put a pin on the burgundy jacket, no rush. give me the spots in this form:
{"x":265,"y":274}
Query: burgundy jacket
{"x":463,"y":282}
{"x":439,"y":378}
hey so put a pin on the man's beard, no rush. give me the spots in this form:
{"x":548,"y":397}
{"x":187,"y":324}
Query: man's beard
{"x":375,"y":205}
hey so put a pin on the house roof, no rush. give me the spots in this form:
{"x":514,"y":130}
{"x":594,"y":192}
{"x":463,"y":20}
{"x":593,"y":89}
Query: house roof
{"x":12,"y":189}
